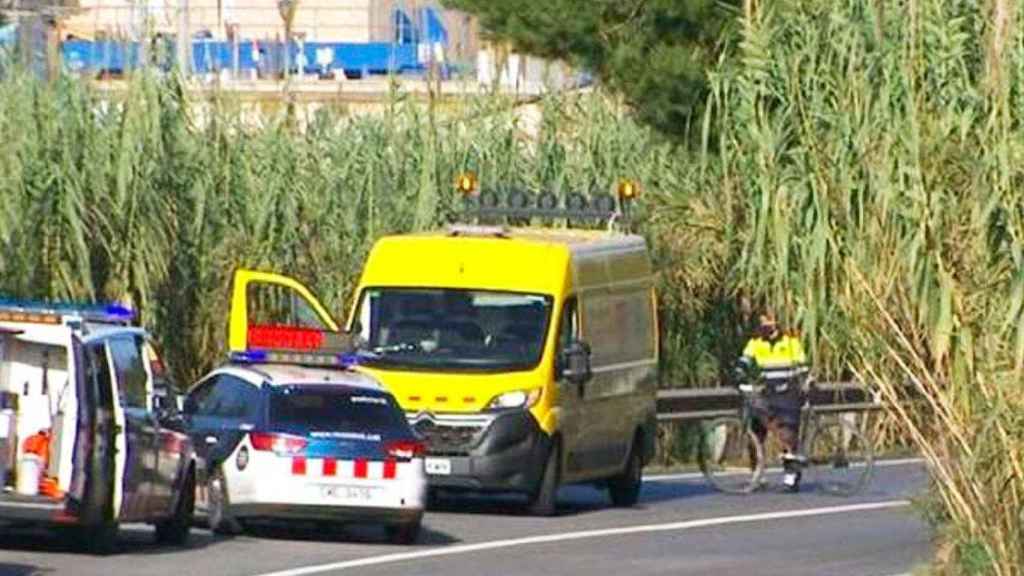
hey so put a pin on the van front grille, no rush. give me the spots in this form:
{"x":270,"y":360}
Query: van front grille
{"x":449,"y":435}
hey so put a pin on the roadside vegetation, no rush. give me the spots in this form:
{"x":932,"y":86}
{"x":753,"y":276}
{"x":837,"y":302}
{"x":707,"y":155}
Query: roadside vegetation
{"x":860,"y":163}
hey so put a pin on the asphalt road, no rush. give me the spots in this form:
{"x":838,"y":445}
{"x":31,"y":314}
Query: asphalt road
{"x":680,"y":527}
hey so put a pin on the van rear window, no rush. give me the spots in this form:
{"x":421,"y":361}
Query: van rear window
{"x":313,"y":409}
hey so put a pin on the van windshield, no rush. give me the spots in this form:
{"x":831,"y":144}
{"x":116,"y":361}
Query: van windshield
{"x":433,"y":328}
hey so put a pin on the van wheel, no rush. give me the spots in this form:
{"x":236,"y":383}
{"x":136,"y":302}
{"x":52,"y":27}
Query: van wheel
{"x":545,"y":498}
{"x":624,"y":489}
{"x":101,"y":539}
{"x":175,"y":529}
{"x":221,"y":521}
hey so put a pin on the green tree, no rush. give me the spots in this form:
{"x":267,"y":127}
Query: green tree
{"x":654,"y":53}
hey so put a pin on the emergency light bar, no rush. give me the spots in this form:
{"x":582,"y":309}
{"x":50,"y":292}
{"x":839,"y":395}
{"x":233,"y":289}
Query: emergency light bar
{"x":40,"y":312}
{"x":300,"y":358}
{"x":518,"y":203}
{"x":283,"y":344}
{"x":286,"y":337}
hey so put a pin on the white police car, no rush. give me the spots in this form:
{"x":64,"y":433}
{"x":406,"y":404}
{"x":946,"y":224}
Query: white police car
{"x":286,"y":431}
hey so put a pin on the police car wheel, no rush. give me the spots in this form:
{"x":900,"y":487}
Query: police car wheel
{"x":220,"y":519}
{"x":404,"y":534}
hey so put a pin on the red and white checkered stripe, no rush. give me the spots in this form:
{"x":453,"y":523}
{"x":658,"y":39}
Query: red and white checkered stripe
{"x":331,"y":468}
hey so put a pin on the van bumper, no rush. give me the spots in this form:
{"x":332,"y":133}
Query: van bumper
{"x":509,"y":457}
{"x":16,"y":509}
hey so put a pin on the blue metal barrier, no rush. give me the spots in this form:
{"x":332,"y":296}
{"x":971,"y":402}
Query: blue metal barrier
{"x":268,"y":57}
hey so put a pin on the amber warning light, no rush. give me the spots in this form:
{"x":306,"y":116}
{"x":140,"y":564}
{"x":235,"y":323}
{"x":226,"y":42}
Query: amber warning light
{"x":466,"y":183}
{"x":628,"y":190}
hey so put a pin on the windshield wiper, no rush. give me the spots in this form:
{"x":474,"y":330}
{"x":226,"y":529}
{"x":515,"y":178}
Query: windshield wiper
{"x":379,"y":351}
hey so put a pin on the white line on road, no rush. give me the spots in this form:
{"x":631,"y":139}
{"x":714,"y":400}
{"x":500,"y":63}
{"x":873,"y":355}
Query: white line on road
{"x":531,"y":540}
{"x":695,"y":475}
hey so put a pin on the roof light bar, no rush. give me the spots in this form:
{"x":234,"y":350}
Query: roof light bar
{"x":298,"y":358}
{"x":28,"y":317}
{"x":518,"y":203}
{"x":38,"y":311}
{"x":284,"y":337}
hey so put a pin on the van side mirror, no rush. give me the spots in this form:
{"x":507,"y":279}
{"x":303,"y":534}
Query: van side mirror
{"x":575,"y":362}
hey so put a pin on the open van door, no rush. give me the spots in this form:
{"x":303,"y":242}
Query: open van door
{"x":271,"y":311}
{"x":99,"y":455}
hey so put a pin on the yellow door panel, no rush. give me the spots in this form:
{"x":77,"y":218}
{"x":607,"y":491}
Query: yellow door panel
{"x":276,"y":300}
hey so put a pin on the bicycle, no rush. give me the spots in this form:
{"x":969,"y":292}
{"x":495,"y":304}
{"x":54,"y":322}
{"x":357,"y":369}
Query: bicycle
{"x":840,"y":460}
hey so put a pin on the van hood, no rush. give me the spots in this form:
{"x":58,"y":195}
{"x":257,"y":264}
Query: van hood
{"x":439,"y":392}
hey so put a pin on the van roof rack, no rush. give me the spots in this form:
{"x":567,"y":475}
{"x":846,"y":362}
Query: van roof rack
{"x":39,"y":311}
{"x":517,"y":203}
{"x":478,"y":230}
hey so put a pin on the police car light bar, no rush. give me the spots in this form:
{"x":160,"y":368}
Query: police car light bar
{"x":298,"y":358}
{"x":283,"y":344}
{"x":284,"y":337}
{"x":37,"y":311}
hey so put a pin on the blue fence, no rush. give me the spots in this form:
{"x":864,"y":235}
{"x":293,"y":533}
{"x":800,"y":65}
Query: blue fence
{"x":414,"y":39}
{"x":263,"y":57}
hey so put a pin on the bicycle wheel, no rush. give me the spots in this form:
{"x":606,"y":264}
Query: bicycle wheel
{"x":731,"y":457}
{"x":840,"y":459}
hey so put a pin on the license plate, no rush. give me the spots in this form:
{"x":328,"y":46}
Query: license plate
{"x":347,"y":493}
{"x":438,"y":466}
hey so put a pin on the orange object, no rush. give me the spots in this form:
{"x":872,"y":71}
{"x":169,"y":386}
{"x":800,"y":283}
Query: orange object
{"x":48,"y":487}
{"x":38,"y":444}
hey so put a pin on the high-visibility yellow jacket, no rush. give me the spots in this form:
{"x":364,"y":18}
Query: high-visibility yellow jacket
{"x":778,"y":362}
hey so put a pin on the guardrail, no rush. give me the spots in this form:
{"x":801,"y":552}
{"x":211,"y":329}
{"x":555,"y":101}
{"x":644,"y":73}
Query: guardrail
{"x":704,"y":403}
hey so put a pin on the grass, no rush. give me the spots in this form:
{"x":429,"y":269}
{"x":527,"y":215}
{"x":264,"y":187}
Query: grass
{"x":153,"y":199}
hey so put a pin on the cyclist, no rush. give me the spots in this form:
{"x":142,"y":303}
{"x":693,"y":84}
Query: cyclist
{"x":779,"y":361}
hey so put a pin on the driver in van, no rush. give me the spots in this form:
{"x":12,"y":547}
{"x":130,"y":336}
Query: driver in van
{"x":781,"y":363}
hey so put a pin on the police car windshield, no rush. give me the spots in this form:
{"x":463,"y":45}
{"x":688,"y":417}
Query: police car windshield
{"x":432,"y":328}
{"x":345,"y":413}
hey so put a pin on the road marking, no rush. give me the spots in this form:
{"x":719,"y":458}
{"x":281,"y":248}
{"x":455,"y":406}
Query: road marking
{"x":545,"y":539}
{"x":695,"y":475}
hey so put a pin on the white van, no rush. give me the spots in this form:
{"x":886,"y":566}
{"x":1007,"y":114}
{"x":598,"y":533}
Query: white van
{"x":83,"y":443}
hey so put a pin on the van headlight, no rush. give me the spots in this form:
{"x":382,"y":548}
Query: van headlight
{"x":514,"y":399}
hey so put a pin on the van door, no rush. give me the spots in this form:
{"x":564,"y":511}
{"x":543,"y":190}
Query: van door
{"x":98,"y":461}
{"x":619,"y":325}
{"x":603,"y":414}
{"x":570,"y":396}
{"x":142,"y":429}
{"x":262,"y":303}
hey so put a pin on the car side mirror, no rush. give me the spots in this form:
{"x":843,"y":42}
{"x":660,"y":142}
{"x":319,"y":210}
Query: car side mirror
{"x":575,"y":362}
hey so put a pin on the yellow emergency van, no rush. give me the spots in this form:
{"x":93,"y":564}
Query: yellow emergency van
{"x":525,"y":357}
